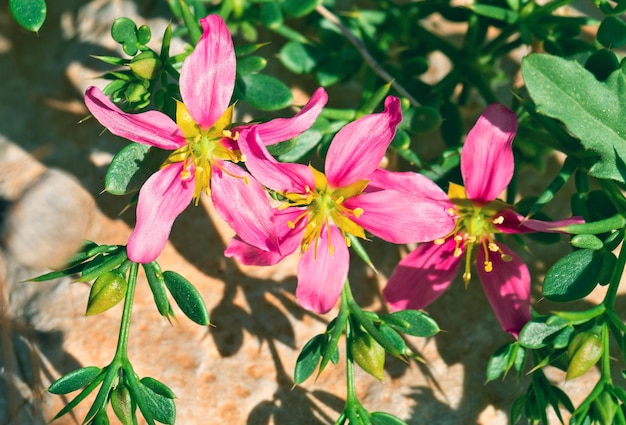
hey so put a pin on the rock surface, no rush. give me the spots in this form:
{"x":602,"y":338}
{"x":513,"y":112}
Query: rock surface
{"x":238,"y":372}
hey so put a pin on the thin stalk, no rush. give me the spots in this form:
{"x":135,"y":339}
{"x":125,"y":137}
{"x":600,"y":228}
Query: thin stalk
{"x":121,"y":352}
{"x":611,"y":294}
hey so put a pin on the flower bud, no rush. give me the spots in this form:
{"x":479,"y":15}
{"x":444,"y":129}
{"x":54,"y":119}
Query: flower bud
{"x":106,"y":292}
{"x":583,"y":352}
{"x":146,"y":65}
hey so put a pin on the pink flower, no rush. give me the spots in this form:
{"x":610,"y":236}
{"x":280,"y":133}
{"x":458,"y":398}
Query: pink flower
{"x":203,"y":144}
{"x":487,"y":167}
{"x":320,"y":212}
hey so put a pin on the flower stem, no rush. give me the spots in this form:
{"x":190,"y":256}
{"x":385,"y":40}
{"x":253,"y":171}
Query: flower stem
{"x":609,"y":299}
{"x":121,"y":352}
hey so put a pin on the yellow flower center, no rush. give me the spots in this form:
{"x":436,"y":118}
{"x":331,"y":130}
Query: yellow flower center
{"x":203,"y":149}
{"x":323,"y":204}
{"x":474,"y":226}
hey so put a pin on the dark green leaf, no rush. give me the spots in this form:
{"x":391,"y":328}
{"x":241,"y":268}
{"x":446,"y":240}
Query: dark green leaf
{"x":412,"y":322}
{"x":264,"y":92}
{"x":297,"y":8}
{"x":495,"y":12}
{"x":101,"y":265}
{"x":612,"y":32}
{"x":250,"y":64}
{"x":30,"y":14}
{"x":187,"y":297}
{"x":157,"y":286}
{"x":602,"y":63}
{"x":156,"y":406}
{"x":144,"y":34}
{"x":271,"y":15}
{"x":421,"y":120}
{"x":158,"y":387}
{"x":308,"y":359}
{"x":124,"y":31}
{"x":306,"y":142}
{"x":192,"y":24}
{"x":74,"y":380}
{"x":573,"y":277}
{"x":131,"y":167}
{"x":497,"y":364}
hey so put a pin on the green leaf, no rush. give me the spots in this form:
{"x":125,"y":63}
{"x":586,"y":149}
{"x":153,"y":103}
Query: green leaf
{"x":382,"y":418}
{"x":602,"y":63}
{"x":74,"y":380}
{"x":108,"y":290}
{"x":612,"y":32}
{"x":187,"y":297}
{"x":590,"y":109}
{"x":101,"y":265}
{"x":297,"y":8}
{"x":250,"y":64}
{"x":158,"y":387}
{"x":495,"y":12}
{"x":30,"y":14}
{"x":155,"y":405}
{"x":421,"y":120}
{"x":271,"y":15}
{"x":264,"y":92}
{"x":308,"y":359}
{"x":157,"y":286}
{"x":537,"y":332}
{"x":573,"y":277}
{"x":131,"y":167}
{"x":306,"y":141}
{"x":300,"y":58}
{"x":412,"y":322}
{"x":587,"y":242}
{"x":192,"y":24}
{"x":498,"y":362}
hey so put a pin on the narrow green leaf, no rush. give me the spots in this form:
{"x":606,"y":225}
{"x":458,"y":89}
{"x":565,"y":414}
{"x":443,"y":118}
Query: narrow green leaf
{"x":158,"y":387}
{"x":74,"y":380}
{"x":192,"y":24}
{"x":308,"y":359}
{"x":497,"y":364}
{"x":30,"y":14}
{"x":412,"y":322}
{"x":495,"y":12}
{"x":187,"y":297}
{"x":297,"y":8}
{"x":382,"y":418}
{"x":154,"y":275}
{"x":82,"y":395}
{"x":101,"y":265}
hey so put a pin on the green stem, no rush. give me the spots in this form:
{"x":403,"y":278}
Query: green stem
{"x":611,"y":294}
{"x":121,"y":352}
{"x":606,"y":356}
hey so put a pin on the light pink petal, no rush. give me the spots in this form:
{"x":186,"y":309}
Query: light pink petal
{"x":321,"y":278}
{"x":358,"y":148}
{"x":207,"y":77}
{"x":507,"y":288}
{"x":161,"y":199}
{"x":281,"y":129}
{"x":487,"y":156}
{"x":409,"y":182}
{"x":151,"y":128}
{"x":290,"y":238}
{"x":244,"y":205}
{"x":282,"y":177}
{"x":251,"y":255}
{"x":400,"y":217}
{"x":517,"y":223}
{"x":422,"y":276}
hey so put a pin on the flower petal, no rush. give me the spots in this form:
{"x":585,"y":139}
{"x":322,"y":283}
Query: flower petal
{"x":358,"y":148}
{"x":422,"y":276}
{"x":151,"y":128}
{"x":207,"y":77}
{"x":282,"y":177}
{"x":243,"y":204}
{"x":507,"y":288}
{"x":281,"y":129}
{"x":321,"y":278}
{"x":487,"y":156}
{"x":251,"y":255}
{"x":409,"y":182}
{"x":399,"y":217}
{"x":162,"y":198}
{"x":517,"y":223}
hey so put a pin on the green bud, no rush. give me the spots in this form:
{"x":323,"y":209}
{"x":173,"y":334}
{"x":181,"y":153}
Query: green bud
{"x":587,"y":241}
{"x":146,"y":65}
{"x":122,"y":404}
{"x":106,"y":292}
{"x":368,"y":354}
{"x":583,"y":352}
{"x":604,"y":408}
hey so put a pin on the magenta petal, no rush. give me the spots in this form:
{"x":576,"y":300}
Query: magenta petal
{"x":422,"y":276}
{"x":487,"y":156}
{"x":151,"y":128}
{"x":507,"y":288}
{"x":321,"y":278}
{"x":244,"y":205}
{"x":401,"y":217}
{"x":409,"y":182}
{"x":282,"y":177}
{"x":207,"y":77}
{"x":162,"y":198}
{"x":281,"y":129}
{"x":358,"y":148}
{"x":517,"y":223}
{"x":251,"y":255}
